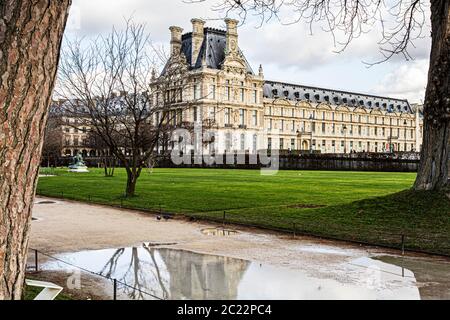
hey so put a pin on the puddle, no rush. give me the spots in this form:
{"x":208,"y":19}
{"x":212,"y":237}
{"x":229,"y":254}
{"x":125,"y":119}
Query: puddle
{"x":46,"y":202}
{"x":323,"y":250}
{"x":219,"y":232}
{"x":178,"y":274}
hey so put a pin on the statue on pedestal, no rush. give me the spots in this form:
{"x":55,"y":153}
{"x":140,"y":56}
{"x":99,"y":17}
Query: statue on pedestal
{"x":78,"y":164}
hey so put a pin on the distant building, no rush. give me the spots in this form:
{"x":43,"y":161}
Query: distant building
{"x":247,"y":113}
{"x":252,"y":113}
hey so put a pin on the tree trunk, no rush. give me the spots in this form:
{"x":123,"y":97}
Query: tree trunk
{"x":30,"y":40}
{"x":131,"y":184}
{"x":433,"y":169}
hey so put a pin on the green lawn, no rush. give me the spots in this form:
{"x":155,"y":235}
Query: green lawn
{"x":371,"y":207}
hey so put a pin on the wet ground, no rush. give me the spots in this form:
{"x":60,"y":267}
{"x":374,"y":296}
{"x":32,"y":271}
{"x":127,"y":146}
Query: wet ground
{"x":177,"y":259}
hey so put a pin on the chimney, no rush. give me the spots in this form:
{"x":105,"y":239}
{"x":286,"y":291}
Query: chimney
{"x":175,"y":41}
{"x":232,"y":35}
{"x":197,"y":38}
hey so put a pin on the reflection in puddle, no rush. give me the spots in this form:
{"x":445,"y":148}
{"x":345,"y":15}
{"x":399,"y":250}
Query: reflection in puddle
{"x":178,"y":274}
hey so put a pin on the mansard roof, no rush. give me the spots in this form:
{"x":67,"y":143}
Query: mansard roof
{"x":295,"y":92}
{"x":212,"y":49}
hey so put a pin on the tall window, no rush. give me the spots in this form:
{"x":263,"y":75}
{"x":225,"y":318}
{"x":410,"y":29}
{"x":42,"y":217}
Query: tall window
{"x":212,"y":91}
{"x":292,"y":144}
{"x":227,"y":91}
{"x":242,"y":116}
{"x":195,"y":114}
{"x":269,"y":143}
{"x":212,"y":113}
{"x":255,"y":117}
{"x":323,"y":127}
{"x":281,"y":143}
{"x":196,"y":90}
{"x":255,"y":140}
{"x":293,"y":126}
{"x":228,"y":141}
{"x":242,"y":141}
{"x":227,"y":115}
{"x":282,"y":125}
{"x":270,"y":124}
{"x":242,"y":92}
{"x":255,"y":94}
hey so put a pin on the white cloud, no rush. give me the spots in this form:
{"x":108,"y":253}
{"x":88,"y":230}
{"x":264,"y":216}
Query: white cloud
{"x":287,"y":52}
{"x":407,"y":81}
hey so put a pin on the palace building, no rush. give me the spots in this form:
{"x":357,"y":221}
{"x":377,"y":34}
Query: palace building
{"x":251,"y":113}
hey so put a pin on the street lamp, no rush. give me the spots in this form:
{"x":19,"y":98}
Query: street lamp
{"x":405,"y":123}
{"x":344,"y":128}
{"x":311,"y":118}
{"x":391,"y":149}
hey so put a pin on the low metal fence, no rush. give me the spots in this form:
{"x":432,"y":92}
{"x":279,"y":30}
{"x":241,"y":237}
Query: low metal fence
{"x":401,"y":240}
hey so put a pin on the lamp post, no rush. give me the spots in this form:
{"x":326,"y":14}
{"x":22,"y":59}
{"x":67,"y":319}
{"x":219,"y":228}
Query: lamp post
{"x":311,"y":118}
{"x":404,"y":132}
{"x":344,"y":129}
{"x":391,"y":149}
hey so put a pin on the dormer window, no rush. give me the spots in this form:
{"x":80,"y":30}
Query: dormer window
{"x":275,"y":92}
{"x":286,"y":93}
{"x":307,"y":96}
{"x":297,"y":95}
{"x":317,"y":96}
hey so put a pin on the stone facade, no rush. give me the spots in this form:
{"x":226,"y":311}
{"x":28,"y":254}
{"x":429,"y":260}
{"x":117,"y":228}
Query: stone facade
{"x":249,"y":113}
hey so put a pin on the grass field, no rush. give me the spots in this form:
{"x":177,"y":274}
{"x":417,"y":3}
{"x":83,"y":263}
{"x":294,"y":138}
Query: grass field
{"x":370,"y":207}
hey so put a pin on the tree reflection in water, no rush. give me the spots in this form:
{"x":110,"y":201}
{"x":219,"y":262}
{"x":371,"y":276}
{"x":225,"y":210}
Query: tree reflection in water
{"x":174,"y":274}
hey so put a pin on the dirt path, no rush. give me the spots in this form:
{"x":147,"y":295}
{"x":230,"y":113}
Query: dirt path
{"x":66,"y":226}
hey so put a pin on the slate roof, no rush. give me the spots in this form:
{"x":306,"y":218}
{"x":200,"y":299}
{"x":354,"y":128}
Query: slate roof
{"x":295,"y":92}
{"x":212,"y":49}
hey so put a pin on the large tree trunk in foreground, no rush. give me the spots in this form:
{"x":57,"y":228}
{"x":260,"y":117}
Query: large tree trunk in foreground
{"x":433,"y":170}
{"x":30,"y":40}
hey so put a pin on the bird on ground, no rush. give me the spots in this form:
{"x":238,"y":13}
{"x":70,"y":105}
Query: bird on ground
{"x":158,"y":217}
{"x":166,"y":217}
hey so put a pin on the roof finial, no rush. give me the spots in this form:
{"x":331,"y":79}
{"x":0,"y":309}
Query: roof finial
{"x":153,"y":74}
{"x":261,"y":72}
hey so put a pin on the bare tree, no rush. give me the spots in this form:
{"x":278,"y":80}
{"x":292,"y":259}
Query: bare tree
{"x":30,"y":39}
{"x":107,"y":87}
{"x":108,"y":160}
{"x":400,"y":22}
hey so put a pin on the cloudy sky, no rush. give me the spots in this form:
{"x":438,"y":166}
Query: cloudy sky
{"x":288,"y":53}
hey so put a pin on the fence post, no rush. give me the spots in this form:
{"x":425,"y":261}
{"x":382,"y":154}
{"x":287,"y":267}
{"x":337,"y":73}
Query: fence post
{"x":115,"y":289}
{"x":89,"y":197}
{"x":121,"y":202}
{"x":223,"y":220}
{"x":62,"y":194}
{"x":293,"y":227}
{"x":403,"y":244}
{"x":36,"y":262}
